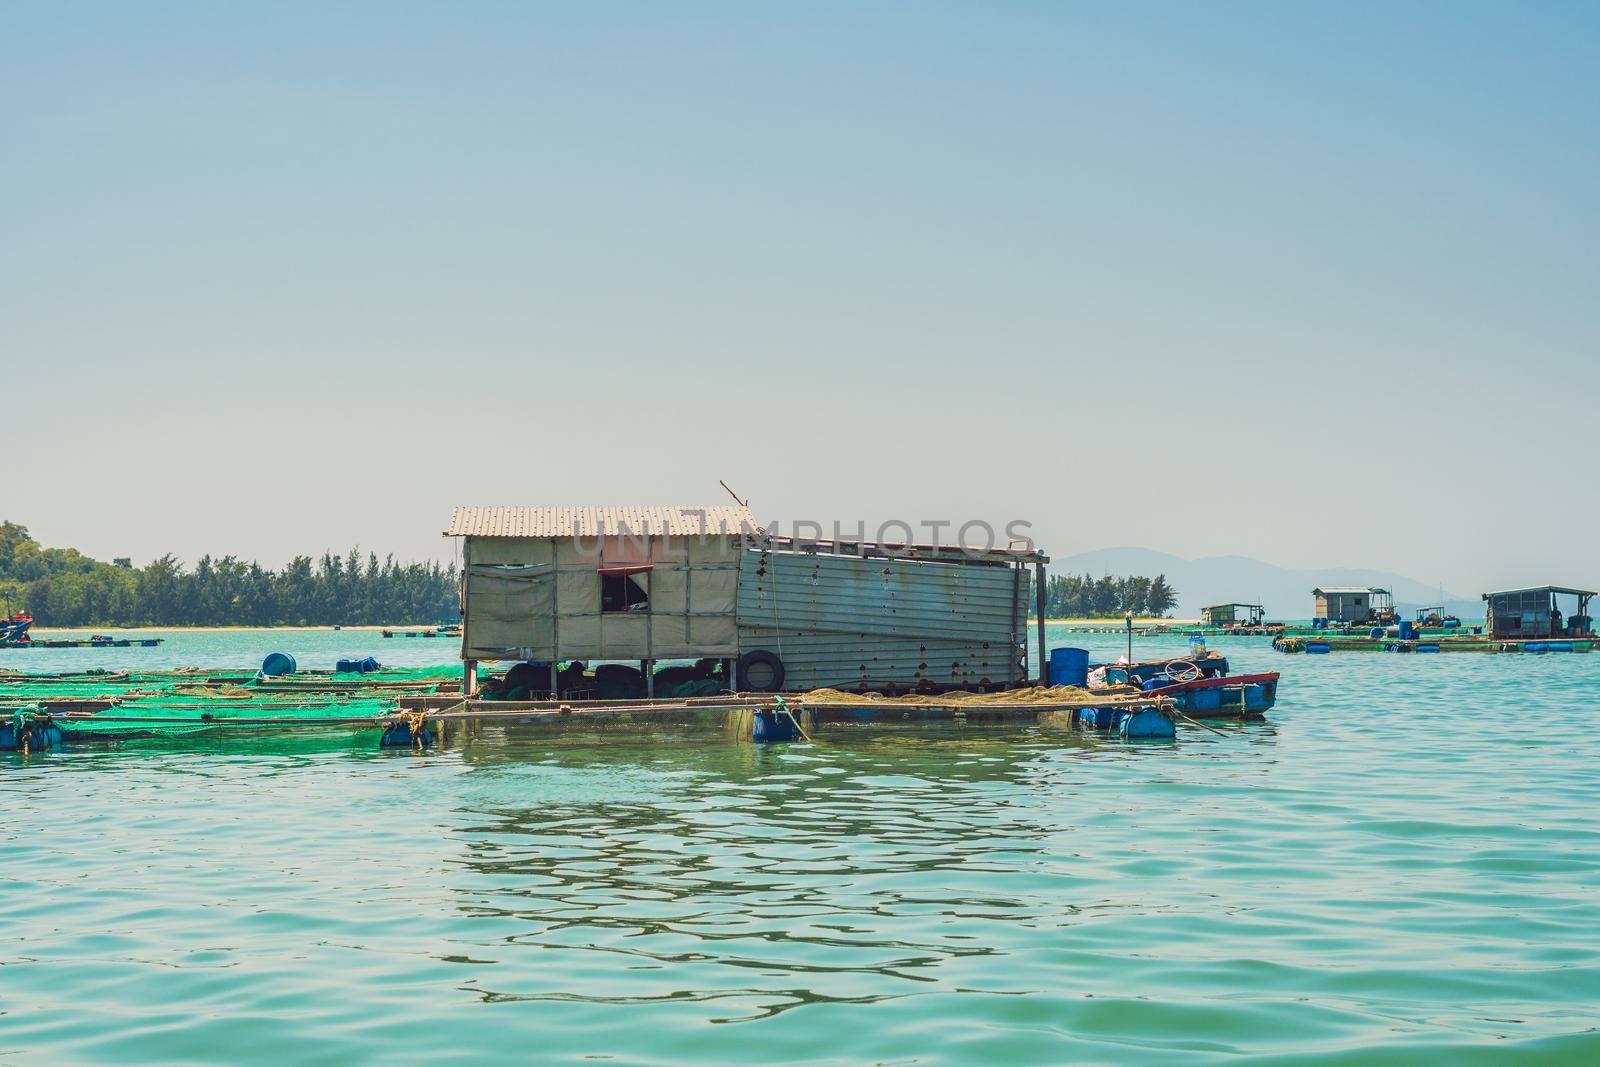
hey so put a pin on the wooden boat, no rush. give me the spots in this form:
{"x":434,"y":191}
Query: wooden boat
{"x":1199,"y":688}
{"x":14,"y":630}
{"x":1209,"y":665}
{"x":1245,"y":696}
{"x":14,"y":634}
{"x":448,"y":629}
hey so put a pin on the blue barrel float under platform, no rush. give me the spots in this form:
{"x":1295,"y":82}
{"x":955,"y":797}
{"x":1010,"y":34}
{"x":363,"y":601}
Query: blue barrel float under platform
{"x":1145,"y":722}
{"x":27,"y":730}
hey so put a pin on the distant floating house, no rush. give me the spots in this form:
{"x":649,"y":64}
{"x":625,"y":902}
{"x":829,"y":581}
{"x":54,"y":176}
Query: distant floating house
{"x":1222,"y":616}
{"x":1536,"y":612}
{"x":1348,"y":604}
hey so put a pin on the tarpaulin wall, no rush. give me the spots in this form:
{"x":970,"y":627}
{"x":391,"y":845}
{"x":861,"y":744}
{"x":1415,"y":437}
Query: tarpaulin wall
{"x":539,"y":599}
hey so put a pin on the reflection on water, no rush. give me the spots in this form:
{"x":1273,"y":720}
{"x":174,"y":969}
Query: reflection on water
{"x":1404,"y":857}
{"x":766,"y":865}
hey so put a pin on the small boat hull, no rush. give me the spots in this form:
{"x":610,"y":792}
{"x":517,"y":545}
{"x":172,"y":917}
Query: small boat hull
{"x":1241,"y":696}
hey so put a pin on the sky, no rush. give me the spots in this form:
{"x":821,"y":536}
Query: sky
{"x":1312,"y":283}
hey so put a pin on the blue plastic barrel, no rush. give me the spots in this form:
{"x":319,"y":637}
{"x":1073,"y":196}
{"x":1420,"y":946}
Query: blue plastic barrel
{"x":1098,"y":718}
{"x":1408,"y":631}
{"x":1146,"y":722}
{"x":399,"y":735}
{"x":1069,"y":666}
{"x":772,"y":726}
{"x":1375,"y":633}
{"x":43,"y":736}
{"x":277,"y":663}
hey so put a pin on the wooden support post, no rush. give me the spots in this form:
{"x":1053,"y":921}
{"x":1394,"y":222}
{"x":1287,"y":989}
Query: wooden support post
{"x":1016,"y":595}
{"x":650,"y":630}
{"x":1038,"y":600}
{"x":555,"y":618}
{"x":469,"y":667}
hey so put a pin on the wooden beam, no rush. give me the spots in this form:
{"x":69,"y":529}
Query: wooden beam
{"x":1038,"y":599}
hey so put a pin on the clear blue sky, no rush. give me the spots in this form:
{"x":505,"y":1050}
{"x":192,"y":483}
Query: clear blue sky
{"x":1315,"y":284}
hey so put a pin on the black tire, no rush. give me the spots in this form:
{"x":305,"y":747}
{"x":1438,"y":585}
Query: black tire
{"x":760,"y":672}
{"x":618,"y":681}
{"x":527,"y":677}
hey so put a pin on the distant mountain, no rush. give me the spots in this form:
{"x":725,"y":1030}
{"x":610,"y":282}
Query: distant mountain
{"x":1285,"y":592}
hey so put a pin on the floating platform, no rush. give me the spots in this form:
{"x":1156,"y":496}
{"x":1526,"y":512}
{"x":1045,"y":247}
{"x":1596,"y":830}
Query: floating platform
{"x":1388,"y":631}
{"x":418,"y":710}
{"x":1425,"y":644}
{"x":87,"y":642}
{"x":757,"y":718}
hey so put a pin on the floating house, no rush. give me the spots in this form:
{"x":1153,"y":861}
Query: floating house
{"x":553,"y":585}
{"x":1536,"y":613}
{"x":1346,"y":605}
{"x":1226,"y":615}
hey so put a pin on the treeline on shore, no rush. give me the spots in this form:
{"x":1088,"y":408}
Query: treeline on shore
{"x":1068,"y":596}
{"x":63,"y":587}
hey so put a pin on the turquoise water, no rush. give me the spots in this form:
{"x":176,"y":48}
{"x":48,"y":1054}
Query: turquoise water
{"x":1402,"y":865}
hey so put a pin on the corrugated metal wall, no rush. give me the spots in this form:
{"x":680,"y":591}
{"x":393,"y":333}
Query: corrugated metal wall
{"x":848,"y":622}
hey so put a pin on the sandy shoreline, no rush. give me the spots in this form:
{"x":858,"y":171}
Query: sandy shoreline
{"x":1117,"y":621}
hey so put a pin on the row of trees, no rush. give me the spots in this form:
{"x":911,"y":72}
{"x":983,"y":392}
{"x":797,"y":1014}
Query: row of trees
{"x":63,"y":587}
{"x":1068,"y":596}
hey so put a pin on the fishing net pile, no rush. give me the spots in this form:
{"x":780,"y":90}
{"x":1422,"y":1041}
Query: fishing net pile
{"x":1033,"y":694}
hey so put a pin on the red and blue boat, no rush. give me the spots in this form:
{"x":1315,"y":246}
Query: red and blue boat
{"x":14,"y":630}
{"x":1200,"y":688}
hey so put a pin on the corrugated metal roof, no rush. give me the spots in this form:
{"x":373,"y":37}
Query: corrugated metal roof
{"x":552,"y":522}
{"x":1348,"y":589}
{"x":905,"y":550}
{"x":1542,"y":589}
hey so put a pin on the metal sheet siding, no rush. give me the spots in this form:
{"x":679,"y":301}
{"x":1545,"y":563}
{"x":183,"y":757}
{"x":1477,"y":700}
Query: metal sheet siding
{"x":844,"y":621}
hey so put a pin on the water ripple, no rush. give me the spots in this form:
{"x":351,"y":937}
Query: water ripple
{"x":1403,"y":863}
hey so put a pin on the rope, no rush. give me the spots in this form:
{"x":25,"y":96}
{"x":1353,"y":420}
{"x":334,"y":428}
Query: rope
{"x":25,"y":722}
{"x":415,"y":721}
{"x":783,"y":707}
{"x":1195,"y":722}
